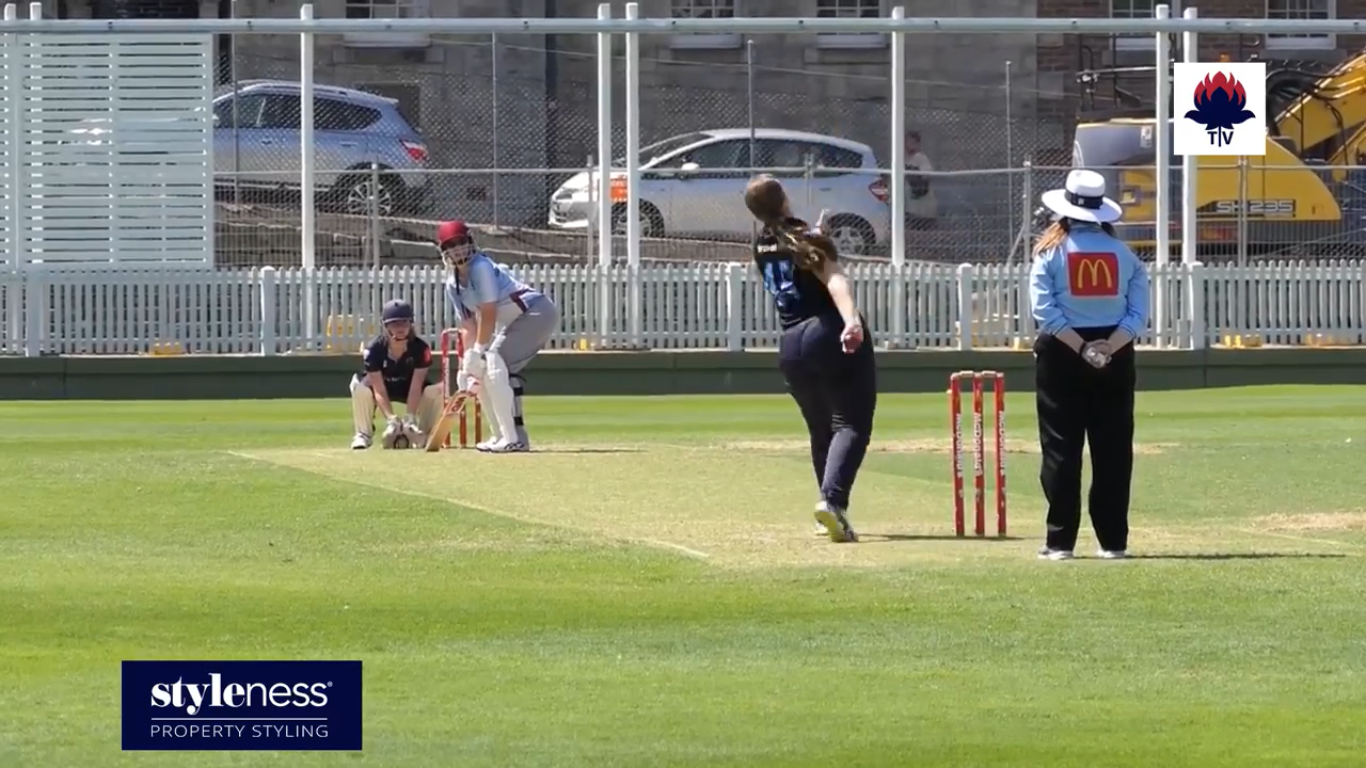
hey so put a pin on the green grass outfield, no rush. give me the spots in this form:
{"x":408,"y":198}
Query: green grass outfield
{"x":647,"y":591}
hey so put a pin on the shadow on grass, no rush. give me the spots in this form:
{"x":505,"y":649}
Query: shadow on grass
{"x":1243,"y":556}
{"x":587,"y":450}
{"x":874,"y":538}
{"x":880,"y":538}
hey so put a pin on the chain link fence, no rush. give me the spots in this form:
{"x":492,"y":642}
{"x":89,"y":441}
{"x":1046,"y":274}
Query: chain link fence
{"x":1247,"y":210}
{"x":502,"y":130}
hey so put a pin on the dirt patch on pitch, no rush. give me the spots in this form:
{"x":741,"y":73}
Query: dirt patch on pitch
{"x":925,"y":445}
{"x":1321,"y":521}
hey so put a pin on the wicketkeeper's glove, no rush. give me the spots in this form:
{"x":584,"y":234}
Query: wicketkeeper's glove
{"x":392,"y":429}
{"x":410,"y":430}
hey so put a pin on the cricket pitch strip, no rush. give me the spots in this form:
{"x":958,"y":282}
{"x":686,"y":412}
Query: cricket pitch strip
{"x":726,"y":508}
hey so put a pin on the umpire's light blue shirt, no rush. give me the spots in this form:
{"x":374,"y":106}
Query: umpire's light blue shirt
{"x":1089,"y":280}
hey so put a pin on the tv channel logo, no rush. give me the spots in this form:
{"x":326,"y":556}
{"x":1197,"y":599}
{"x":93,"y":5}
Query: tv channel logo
{"x":241,"y":705}
{"x":1219,"y":109}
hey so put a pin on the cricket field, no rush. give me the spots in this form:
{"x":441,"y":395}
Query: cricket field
{"x":645,"y":590}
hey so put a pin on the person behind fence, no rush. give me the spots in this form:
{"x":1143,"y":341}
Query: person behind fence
{"x":394,"y":370}
{"x":505,"y":324}
{"x":825,"y":353}
{"x":1089,"y":296}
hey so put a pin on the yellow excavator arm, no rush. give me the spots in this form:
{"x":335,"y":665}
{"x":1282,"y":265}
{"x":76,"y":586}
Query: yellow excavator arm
{"x":1327,"y":123}
{"x":1283,"y":202}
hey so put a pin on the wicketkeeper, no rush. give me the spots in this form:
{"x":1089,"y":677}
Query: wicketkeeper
{"x":505,"y":324}
{"x":395,"y":371}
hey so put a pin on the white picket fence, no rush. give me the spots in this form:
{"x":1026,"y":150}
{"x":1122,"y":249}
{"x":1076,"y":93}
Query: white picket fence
{"x":711,"y":306}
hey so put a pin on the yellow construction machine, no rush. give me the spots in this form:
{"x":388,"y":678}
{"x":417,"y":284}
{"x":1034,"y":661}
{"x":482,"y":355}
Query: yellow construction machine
{"x":1300,"y":198}
{"x":1322,"y":119}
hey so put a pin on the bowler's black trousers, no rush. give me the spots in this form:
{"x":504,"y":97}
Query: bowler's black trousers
{"x":1077,"y":404}
{"x":837,"y":395}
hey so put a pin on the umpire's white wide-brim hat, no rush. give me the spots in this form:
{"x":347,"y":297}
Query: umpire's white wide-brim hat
{"x":1083,"y":198}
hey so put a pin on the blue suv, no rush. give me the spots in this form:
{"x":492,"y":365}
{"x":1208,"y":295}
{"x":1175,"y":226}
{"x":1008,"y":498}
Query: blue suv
{"x":257,"y":149}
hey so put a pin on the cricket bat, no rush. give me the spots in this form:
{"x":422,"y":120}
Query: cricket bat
{"x":819,"y":227}
{"x":442,"y":430}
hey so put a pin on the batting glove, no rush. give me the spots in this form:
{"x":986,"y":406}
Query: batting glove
{"x":473,"y":362}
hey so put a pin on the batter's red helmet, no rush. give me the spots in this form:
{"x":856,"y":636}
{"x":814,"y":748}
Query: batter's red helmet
{"x":452,"y":233}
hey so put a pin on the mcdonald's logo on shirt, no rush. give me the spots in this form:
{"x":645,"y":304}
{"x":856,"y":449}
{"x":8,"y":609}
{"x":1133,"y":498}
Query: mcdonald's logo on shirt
{"x":1093,"y":274}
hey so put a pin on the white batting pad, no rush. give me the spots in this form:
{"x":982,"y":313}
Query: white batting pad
{"x":362,"y":407}
{"x":498,"y":389}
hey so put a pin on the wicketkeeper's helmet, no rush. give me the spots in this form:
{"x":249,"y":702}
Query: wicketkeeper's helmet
{"x":397,"y":310}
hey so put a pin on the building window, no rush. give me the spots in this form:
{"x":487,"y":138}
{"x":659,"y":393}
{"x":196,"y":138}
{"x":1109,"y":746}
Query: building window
{"x":850,"y":9}
{"x":1133,"y":9}
{"x":704,"y":9}
{"x":1301,"y":9}
{"x":388,"y":9}
{"x":142,"y":9}
{"x":380,"y":9}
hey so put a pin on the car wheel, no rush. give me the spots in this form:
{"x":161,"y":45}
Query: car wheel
{"x":356,"y":195}
{"x":851,"y":235}
{"x":651,"y":222}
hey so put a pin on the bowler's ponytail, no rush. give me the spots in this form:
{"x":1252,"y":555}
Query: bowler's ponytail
{"x":766,"y":200}
{"x":811,"y":249}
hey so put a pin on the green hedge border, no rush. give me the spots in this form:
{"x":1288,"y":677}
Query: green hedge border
{"x":633,"y":373}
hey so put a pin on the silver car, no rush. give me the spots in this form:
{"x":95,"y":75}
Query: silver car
{"x":692,"y":186}
{"x":257,"y":147}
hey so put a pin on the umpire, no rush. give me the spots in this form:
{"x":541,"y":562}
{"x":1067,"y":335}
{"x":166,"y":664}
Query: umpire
{"x":1089,"y":296}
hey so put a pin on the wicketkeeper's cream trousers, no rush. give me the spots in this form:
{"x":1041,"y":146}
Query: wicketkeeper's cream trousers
{"x":363,"y":407}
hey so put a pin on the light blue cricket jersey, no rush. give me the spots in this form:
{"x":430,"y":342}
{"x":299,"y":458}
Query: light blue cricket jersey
{"x":1090,"y":280}
{"x":487,"y":282}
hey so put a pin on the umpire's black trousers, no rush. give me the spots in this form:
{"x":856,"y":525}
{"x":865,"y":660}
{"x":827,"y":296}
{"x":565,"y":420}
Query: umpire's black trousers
{"x":1079,"y":404}
{"x":837,"y":395}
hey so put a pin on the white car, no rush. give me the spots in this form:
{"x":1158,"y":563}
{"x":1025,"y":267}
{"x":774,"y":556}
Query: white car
{"x":693,"y":185}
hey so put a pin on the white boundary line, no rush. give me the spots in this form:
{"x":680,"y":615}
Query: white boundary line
{"x":656,"y":543}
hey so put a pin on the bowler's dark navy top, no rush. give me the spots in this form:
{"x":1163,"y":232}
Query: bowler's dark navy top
{"x":798,"y":294}
{"x":397,"y":373}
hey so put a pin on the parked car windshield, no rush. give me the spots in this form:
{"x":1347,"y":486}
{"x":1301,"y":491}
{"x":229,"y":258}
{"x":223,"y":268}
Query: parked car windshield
{"x":662,"y":148}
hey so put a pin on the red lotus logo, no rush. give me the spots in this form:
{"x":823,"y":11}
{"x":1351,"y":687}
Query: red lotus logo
{"x":1220,"y":104}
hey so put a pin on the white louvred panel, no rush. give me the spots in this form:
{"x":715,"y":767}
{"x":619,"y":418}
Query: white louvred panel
{"x":11,"y":288}
{"x":9,"y":143}
{"x":117,"y":144}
